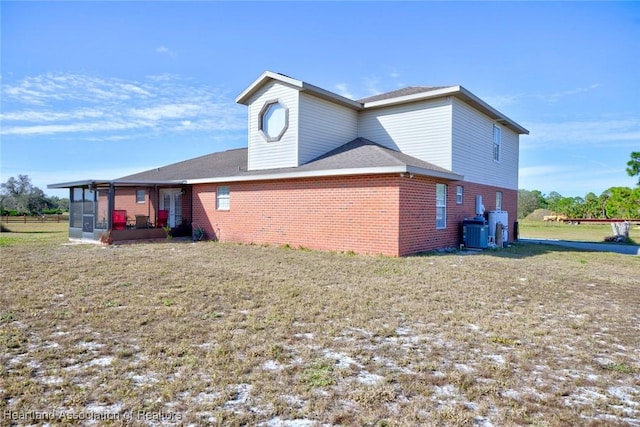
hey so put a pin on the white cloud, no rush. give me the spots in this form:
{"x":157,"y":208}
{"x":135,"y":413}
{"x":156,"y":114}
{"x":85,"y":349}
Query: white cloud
{"x":109,"y":108}
{"x":621,"y":132}
{"x":372,"y":85}
{"x":163,"y":50}
{"x":343,"y":89}
{"x":502,"y":100}
{"x":554,"y":97}
{"x":169,"y":111}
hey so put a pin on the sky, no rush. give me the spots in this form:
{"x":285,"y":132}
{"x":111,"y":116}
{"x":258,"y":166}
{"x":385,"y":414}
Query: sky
{"x":100,"y":90}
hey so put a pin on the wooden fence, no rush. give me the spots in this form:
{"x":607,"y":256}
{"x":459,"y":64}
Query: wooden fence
{"x":7,"y":219}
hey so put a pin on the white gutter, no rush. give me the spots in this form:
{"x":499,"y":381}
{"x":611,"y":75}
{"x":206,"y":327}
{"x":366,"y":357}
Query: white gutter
{"x":329,"y":173}
{"x":457,"y":91}
{"x":102,"y":182}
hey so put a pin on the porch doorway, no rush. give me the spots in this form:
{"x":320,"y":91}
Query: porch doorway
{"x":171,"y":200}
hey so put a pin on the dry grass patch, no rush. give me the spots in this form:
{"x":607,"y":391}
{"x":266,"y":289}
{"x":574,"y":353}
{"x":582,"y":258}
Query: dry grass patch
{"x":230,"y":334}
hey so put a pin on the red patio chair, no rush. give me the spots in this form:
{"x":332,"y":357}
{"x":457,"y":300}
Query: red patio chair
{"x":119,"y":219}
{"x":163,"y":216}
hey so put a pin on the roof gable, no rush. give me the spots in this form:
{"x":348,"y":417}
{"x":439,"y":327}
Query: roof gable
{"x":268,"y":76}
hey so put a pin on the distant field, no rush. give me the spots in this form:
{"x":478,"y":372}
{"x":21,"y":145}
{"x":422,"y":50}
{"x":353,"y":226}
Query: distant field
{"x":202,"y":333}
{"x":584,"y":232}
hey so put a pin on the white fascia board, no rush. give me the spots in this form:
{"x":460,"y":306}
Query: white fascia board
{"x":103,"y":182}
{"x":328,"y":173}
{"x":267,"y":75}
{"x":243,"y":98}
{"x":435,"y":174}
{"x":487,"y":109}
{"x":438,"y":93}
{"x":459,"y":92}
{"x":330,"y":96}
{"x":82,"y":183}
{"x":148,"y":183}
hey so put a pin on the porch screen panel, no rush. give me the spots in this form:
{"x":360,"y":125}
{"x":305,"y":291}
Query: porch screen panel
{"x":102,"y":206}
{"x":75,"y":208}
{"x":88,"y":210}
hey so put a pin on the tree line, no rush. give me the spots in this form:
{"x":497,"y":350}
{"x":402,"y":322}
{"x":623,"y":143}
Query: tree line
{"x":19,"y":197}
{"x":615,"y":202}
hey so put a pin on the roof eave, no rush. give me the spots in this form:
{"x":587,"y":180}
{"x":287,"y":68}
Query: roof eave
{"x":457,"y":91}
{"x":119,"y":183}
{"x":331,"y":172}
{"x":244,"y":96}
{"x":420,"y":96}
{"x":487,"y":109}
{"x":267,"y":76}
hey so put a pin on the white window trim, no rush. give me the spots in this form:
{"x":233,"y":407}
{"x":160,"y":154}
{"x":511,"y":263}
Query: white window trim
{"x":497,"y":142}
{"x":459,"y":194}
{"x":498,"y":200}
{"x":441,"y":204}
{"x":223,"y":198}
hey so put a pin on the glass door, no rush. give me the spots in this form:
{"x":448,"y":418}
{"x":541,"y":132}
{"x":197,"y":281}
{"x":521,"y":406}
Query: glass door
{"x":171,"y":200}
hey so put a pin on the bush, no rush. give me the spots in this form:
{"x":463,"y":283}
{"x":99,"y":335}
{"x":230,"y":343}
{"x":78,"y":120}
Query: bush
{"x":51,"y":211}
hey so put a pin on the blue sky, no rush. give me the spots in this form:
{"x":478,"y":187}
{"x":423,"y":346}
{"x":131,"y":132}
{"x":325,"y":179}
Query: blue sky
{"x":104,"y":89}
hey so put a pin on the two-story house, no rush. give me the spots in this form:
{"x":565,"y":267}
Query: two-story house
{"x":394,"y":174}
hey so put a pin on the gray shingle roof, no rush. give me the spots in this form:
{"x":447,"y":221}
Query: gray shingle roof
{"x":223,"y":163}
{"x":357,"y":154}
{"x":410,"y":90}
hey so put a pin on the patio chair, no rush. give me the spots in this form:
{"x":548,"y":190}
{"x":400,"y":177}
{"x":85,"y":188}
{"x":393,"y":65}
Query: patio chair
{"x":119,"y":219}
{"x":163,"y":216}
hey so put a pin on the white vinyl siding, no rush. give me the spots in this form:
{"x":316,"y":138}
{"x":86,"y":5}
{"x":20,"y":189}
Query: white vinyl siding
{"x":323,"y":126}
{"x":472,"y":135}
{"x":223,"y":198}
{"x":441,"y":206}
{"x":276,"y":154}
{"x":420,"y":129}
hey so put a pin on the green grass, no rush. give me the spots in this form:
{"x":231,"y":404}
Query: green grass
{"x":585,"y":232}
{"x":225,"y":334}
{"x":33,"y":233}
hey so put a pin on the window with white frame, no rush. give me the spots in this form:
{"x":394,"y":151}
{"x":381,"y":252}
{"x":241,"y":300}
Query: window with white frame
{"x":441,"y":206}
{"x":222,"y":198}
{"x":498,"y":200}
{"x":496,"y":143}
{"x":459,"y":192}
{"x":140,"y":196}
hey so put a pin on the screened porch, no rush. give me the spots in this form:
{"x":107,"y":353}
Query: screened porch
{"x":117,"y":211}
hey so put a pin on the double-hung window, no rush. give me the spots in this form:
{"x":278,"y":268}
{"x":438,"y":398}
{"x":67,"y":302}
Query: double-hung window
{"x":441,"y":206}
{"x":140,"y":196}
{"x":498,"y":200}
{"x":459,"y":192}
{"x":223,"y":198}
{"x":496,"y":143}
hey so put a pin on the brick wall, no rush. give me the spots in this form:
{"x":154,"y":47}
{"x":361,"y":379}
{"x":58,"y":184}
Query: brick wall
{"x":125,"y":198}
{"x":336,"y":213}
{"x":388,"y":214}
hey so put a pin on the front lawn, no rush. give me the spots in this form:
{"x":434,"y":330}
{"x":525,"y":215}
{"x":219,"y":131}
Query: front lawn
{"x":211,"y":333}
